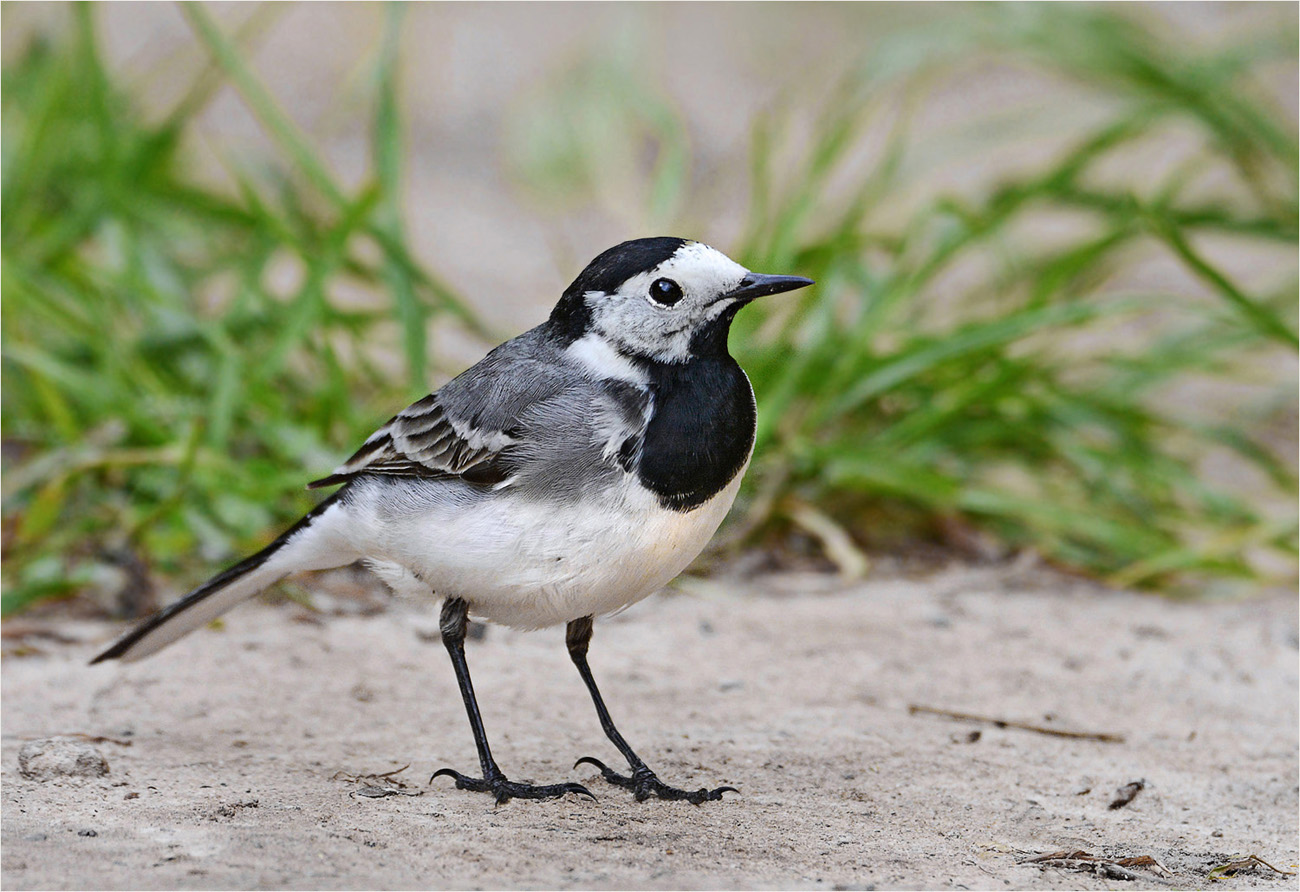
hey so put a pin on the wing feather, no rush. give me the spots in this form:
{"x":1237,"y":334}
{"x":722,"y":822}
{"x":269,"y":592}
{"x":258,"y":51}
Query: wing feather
{"x":423,"y":441}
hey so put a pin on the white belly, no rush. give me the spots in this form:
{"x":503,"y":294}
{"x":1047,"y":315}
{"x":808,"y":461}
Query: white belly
{"x":529,"y":565}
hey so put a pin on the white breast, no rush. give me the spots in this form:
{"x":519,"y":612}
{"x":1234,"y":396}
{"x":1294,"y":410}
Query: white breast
{"x":529,"y":564}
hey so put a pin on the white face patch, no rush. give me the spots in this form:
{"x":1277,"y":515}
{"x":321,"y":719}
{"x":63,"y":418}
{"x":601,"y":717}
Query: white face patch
{"x":633,"y":321}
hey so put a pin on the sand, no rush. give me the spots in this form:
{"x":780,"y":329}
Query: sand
{"x":236,"y":757}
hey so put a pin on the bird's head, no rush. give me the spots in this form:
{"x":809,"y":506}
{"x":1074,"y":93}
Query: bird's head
{"x":662,"y":299}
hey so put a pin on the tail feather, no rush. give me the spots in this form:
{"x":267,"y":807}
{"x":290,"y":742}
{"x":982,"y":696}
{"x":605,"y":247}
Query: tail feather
{"x":290,"y":552}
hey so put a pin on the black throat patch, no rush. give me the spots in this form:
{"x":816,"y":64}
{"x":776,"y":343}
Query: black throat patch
{"x":701,"y":433}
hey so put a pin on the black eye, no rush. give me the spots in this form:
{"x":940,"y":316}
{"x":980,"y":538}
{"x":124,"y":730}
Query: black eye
{"x":665,"y":291}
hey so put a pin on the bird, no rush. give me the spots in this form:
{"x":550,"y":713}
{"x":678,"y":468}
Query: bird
{"x":573,"y":471}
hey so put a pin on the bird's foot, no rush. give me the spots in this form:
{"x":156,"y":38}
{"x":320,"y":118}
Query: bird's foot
{"x":643,"y":783}
{"x":504,"y":790}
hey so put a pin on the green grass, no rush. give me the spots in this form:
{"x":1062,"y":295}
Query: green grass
{"x":177,"y":361}
{"x":174,"y":363}
{"x":888,"y":400}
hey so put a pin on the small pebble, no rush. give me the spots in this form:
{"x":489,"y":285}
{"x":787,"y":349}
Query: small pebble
{"x":87,"y":832}
{"x":54,"y":757}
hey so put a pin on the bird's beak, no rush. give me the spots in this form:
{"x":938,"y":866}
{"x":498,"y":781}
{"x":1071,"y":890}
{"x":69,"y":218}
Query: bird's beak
{"x":758,"y":285}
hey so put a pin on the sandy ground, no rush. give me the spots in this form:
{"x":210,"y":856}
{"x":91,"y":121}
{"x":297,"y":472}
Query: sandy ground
{"x":244,"y":742}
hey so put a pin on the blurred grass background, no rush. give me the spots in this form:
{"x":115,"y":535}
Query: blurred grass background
{"x":1055,"y":246}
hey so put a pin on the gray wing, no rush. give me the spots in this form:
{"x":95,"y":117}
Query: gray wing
{"x":422,"y":441}
{"x":484,"y":423}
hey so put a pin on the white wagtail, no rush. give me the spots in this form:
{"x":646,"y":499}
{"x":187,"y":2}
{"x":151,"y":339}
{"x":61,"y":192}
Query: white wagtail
{"x":573,"y":471}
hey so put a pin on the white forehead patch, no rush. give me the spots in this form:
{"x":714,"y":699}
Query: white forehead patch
{"x":699,"y":269}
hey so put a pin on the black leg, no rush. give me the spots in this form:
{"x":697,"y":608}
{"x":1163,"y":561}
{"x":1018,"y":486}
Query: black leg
{"x":452,"y":624}
{"x":643,"y":783}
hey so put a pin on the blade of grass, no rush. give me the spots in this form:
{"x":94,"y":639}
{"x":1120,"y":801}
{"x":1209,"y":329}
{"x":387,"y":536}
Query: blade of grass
{"x":1252,"y":312}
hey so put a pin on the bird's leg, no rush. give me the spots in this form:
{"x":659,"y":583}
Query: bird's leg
{"x":452,"y":624}
{"x":643,"y":783}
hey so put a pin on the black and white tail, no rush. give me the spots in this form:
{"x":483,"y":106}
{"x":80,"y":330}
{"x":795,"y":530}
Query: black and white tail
{"x":313,"y":543}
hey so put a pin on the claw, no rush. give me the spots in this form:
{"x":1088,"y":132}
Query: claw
{"x":444,"y":772}
{"x":580,"y":790}
{"x":605,"y":771}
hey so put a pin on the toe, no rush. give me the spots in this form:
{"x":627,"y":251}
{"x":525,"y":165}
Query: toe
{"x":606,"y":772}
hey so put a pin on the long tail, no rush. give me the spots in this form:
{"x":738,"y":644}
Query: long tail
{"x":313,"y":543}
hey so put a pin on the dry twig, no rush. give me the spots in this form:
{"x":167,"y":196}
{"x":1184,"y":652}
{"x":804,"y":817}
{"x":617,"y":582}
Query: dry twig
{"x":1115,"y":869}
{"x":387,"y":776}
{"x":381,"y":786}
{"x":1251,"y":861}
{"x":1104,"y":737}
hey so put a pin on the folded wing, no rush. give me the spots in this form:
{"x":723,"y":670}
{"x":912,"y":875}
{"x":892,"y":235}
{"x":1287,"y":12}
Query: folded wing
{"x":423,"y":440}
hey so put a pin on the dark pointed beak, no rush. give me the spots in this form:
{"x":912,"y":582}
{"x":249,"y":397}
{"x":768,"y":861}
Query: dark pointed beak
{"x":758,"y":285}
